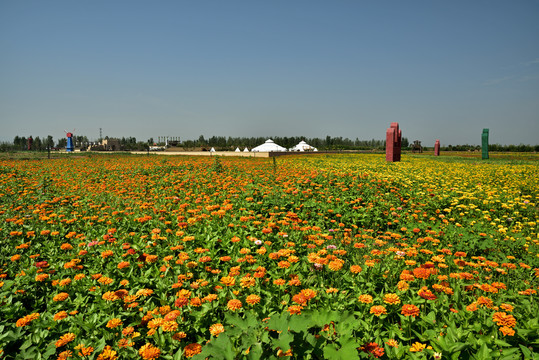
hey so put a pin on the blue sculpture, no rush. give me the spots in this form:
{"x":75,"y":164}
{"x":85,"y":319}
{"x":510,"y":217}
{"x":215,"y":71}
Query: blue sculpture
{"x":70,"y":146}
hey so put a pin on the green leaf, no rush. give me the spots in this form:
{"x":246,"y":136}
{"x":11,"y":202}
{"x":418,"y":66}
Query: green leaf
{"x":330,"y":352}
{"x":300,"y":323}
{"x":221,"y":347}
{"x":458,"y":347}
{"x":483,"y":353}
{"x":26,"y":344}
{"x":502,"y":343}
{"x":278,"y":323}
{"x":255,"y":352}
{"x":178,"y":354}
{"x":349,"y":350}
{"x":527,"y":353}
{"x":51,"y":349}
{"x":511,"y":352}
{"x":284,"y":340}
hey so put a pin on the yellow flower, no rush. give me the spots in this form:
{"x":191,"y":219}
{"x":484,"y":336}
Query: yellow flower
{"x":417,"y":347}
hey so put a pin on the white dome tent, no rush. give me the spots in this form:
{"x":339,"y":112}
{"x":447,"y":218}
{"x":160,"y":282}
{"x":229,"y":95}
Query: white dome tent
{"x":245,"y":150}
{"x":303,"y":146}
{"x":237,"y":149}
{"x":268,"y":146}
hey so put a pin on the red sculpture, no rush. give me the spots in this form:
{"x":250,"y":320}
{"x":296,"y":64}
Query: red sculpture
{"x":437,"y":148}
{"x":393,"y":143}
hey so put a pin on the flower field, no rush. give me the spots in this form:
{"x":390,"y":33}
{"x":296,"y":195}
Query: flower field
{"x":314,"y":257}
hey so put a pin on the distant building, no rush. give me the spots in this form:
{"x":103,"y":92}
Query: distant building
{"x":110,"y":144}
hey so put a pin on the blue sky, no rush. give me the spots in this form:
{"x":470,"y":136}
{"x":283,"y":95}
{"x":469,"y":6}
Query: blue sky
{"x":442,"y":69}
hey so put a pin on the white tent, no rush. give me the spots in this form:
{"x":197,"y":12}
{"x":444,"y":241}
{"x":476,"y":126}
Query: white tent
{"x":237,"y":149}
{"x":246,"y":150}
{"x":303,"y":146}
{"x":268,"y":146}
{"x":212,"y":150}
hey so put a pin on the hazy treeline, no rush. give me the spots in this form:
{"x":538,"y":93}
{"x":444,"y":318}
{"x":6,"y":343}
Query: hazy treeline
{"x":80,"y":141}
{"x":327,"y":143}
{"x":221,"y":143}
{"x":492,"y":147}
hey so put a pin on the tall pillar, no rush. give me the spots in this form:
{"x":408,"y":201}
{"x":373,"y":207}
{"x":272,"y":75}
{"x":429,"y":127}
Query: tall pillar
{"x":393,"y":142}
{"x":437,"y":148}
{"x":484,"y":144}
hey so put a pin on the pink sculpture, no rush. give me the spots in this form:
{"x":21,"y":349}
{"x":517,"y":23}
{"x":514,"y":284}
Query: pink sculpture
{"x":393,"y":143}
{"x":437,"y":148}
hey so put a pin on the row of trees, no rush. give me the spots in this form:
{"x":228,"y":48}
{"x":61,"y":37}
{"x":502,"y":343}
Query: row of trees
{"x":327,"y":143}
{"x":80,"y":141}
{"x":493,"y":147}
{"x":230,"y":143}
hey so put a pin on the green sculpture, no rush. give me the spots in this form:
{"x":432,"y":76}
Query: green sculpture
{"x":484,"y":143}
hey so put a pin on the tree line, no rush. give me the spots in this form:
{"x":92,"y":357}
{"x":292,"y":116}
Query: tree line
{"x":327,"y":143}
{"x":223,"y":143}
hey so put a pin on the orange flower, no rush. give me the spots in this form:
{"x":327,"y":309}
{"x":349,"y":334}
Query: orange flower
{"x":422,"y":273}
{"x":392,"y":299}
{"x":24,"y":321}
{"x":507,"y":331}
{"x":107,"y":354}
{"x":60,"y":315}
{"x":60,"y":297}
{"x":65,"y":339}
{"x":228,"y":281}
{"x":144,"y":292}
{"x":284,"y":264}
{"x":378,"y":310}
{"x":111,"y":324}
{"x":149,"y":351}
{"x":123,"y":264}
{"x":234,"y":304}
{"x":485,"y":301}
{"x":355,"y":269}
{"x":299,"y":299}
{"x":402,"y":285}
{"x":107,"y":253}
{"x":252,"y":299}
{"x":247,"y":282}
{"x":64,"y":355}
{"x":393,"y":343}
{"x":502,"y":319}
{"x":335,"y":265}
{"x":42,"y":277}
{"x":128,"y":330}
{"x":192,"y":349}
{"x":425,"y":293}
{"x":84,"y":351}
{"x":216,"y":329}
{"x":410,"y":310}
{"x":179,"y":335}
{"x":66,"y":246}
{"x":507,"y":307}
{"x":294,"y":309}
{"x":366,"y":299}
